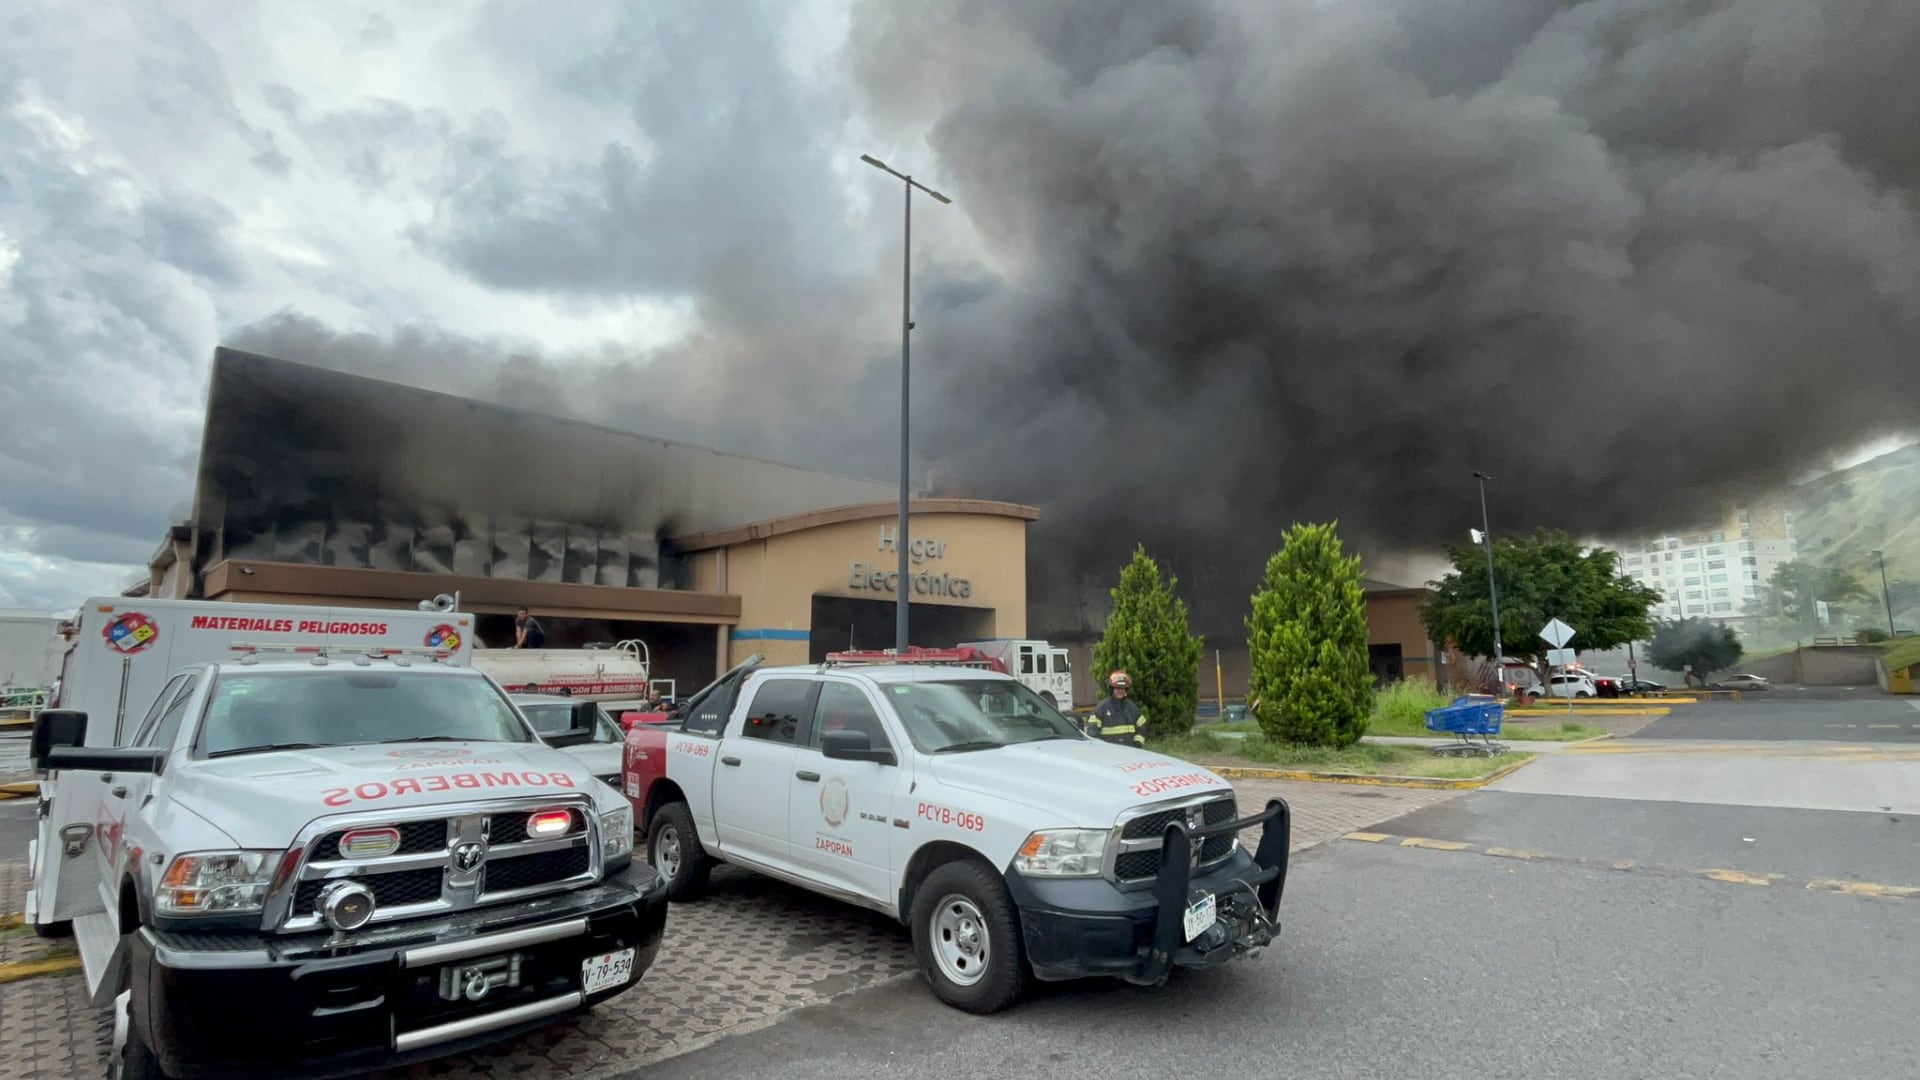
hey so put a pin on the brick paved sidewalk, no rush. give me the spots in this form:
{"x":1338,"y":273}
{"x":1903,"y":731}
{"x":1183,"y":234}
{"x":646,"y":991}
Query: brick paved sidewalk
{"x":754,"y":950}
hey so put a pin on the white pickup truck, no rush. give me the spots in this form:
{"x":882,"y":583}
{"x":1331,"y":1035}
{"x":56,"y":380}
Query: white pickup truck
{"x":958,"y":801}
{"x":328,"y":863}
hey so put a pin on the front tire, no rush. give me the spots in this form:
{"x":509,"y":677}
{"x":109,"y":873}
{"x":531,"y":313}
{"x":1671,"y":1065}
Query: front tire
{"x":673,"y":849}
{"x":966,"y":937}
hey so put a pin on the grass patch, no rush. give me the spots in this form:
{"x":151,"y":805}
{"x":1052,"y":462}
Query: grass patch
{"x":1372,"y":759}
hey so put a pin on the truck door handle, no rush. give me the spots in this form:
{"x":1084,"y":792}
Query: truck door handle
{"x":809,"y":777}
{"x":729,"y":761}
{"x":120,"y":792}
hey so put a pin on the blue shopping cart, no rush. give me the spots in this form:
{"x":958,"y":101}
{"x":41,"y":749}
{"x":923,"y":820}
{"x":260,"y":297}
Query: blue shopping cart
{"x":1467,"y":716}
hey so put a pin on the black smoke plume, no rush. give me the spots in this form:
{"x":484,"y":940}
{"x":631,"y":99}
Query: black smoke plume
{"x":1272,"y":261}
{"x":1258,"y":261}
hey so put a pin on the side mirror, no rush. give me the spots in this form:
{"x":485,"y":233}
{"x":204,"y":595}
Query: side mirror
{"x":584,"y":720}
{"x":853,"y":746}
{"x":56,"y":728}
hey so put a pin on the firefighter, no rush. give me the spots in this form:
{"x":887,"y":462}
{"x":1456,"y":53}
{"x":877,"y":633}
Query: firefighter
{"x":1117,"y":719}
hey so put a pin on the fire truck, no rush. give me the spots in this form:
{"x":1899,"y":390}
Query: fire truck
{"x":1042,"y":666}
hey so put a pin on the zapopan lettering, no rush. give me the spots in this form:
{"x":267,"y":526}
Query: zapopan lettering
{"x":1136,"y":766}
{"x":947,"y":815}
{"x":832,"y":846}
{"x":1175,"y":783}
{"x":375,"y":790}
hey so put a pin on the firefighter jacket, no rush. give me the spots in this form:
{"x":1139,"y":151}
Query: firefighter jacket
{"x":1118,"y":721}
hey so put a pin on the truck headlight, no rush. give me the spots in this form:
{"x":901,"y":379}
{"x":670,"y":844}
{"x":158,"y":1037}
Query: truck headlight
{"x":616,"y":833}
{"x":217,"y":883}
{"x":1062,"y":853}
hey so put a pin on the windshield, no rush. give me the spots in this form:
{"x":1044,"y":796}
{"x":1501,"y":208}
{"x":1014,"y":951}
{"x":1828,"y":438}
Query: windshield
{"x":555,"y":718}
{"x":264,"y":710}
{"x":957,"y":715}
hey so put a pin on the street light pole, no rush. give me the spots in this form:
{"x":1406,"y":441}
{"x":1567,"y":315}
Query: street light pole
{"x":1493,"y":591}
{"x":1886,"y":594}
{"x":905,"y":587}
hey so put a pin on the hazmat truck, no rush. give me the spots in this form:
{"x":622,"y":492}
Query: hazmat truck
{"x":313,"y":839}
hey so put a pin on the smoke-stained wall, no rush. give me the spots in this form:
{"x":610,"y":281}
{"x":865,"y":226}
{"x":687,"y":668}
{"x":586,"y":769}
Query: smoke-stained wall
{"x":307,"y":465}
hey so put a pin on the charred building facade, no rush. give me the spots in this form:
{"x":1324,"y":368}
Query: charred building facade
{"x":317,"y":486}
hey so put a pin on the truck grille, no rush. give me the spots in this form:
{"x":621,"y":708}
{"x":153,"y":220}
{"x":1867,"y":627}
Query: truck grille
{"x":447,"y":859}
{"x":1137,"y":857}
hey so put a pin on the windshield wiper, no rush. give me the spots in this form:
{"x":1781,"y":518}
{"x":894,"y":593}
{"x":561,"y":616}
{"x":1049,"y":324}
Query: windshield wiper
{"x":427,"y":738}
{"x":976,"y":744}
{"x":263,"y":748}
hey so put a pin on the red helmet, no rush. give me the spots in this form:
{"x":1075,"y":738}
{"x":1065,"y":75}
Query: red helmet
{"x":1120,"y":680}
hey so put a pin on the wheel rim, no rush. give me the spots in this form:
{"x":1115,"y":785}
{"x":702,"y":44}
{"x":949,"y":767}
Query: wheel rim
{"x":960,"y":940}
{"x":667,"y":857}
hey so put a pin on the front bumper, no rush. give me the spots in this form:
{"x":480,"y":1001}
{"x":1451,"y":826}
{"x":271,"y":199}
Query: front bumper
{"x":1079,"y":927}
{"x":325,"y":1005}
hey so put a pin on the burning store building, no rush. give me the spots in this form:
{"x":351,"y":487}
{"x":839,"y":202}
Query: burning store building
{"x":315,"y":486}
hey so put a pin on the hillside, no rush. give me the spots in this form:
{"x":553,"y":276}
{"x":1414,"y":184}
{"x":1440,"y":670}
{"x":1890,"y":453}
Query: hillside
{"x":1842,"y":517}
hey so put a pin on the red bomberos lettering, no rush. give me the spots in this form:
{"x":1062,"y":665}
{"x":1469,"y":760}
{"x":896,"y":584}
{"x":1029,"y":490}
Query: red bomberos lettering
{"x":376,"y":790}
{"x":947,"y":815}
{"x":1175,"y":783}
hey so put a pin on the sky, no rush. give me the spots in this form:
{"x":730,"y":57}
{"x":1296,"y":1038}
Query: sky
{"x":1210,"y":267}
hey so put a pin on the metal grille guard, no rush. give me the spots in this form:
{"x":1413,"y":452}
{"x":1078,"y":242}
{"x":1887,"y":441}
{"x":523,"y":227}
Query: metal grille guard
{"x":1171,"y":887}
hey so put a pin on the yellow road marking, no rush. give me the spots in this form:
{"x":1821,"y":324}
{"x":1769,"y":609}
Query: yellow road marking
{"x":1732,"y":877}
{"x":1737,"y":877}
{"x":27,"y":969}
{"x":1863,"y":888}
{"x":1437,"y":845}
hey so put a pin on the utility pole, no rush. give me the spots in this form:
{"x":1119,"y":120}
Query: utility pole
{"x":905,"y":588}
{"x":1493,"y":590}
{"x":1886,"y":594}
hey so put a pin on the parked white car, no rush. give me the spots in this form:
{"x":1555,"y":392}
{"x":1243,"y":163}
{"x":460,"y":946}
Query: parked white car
{"x":552,"y":714}
{"x":1571,"y":686}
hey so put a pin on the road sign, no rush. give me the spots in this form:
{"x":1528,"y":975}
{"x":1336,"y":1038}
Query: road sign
{"x":1556,"y":633}
{"x":1560,"y":657}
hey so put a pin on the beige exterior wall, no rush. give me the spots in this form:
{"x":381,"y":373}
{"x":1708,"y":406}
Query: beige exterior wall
{"x":777,"y":578}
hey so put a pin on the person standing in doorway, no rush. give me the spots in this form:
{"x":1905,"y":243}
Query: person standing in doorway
{"x":527,"y":631}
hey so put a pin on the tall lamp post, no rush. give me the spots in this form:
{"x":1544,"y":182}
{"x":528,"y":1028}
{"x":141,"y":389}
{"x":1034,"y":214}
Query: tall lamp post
{"x":1886,"y":594}
{"x":905,"y":588}
{"x":1493,"y":591}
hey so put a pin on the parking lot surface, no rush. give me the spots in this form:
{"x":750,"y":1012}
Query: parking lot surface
{"x":755,"y":950}
{"x":1493,"y":936}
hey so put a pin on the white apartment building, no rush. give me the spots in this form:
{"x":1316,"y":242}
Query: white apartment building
{"x":1714,"y":572}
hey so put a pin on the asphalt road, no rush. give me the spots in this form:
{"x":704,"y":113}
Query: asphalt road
{"x":1409,"y":961}
{"x":17,"y":825}
{"x":1787,"y":714}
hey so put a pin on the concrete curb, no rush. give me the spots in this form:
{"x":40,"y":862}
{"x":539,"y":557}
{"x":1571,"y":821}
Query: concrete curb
{"x":24,"y":790}
{"x":1240,"y":772}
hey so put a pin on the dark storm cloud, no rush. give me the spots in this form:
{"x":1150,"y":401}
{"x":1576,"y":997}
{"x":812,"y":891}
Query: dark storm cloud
{"x":1272,"y":262}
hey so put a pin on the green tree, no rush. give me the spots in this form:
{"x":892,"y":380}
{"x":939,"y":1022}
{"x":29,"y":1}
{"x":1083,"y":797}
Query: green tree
{"x":1545,"y":576}
{"x":1307,"y":642}
{"x":1148,"y":637}
{"x":1791,"y":596}
{"x":1706,"y":646}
